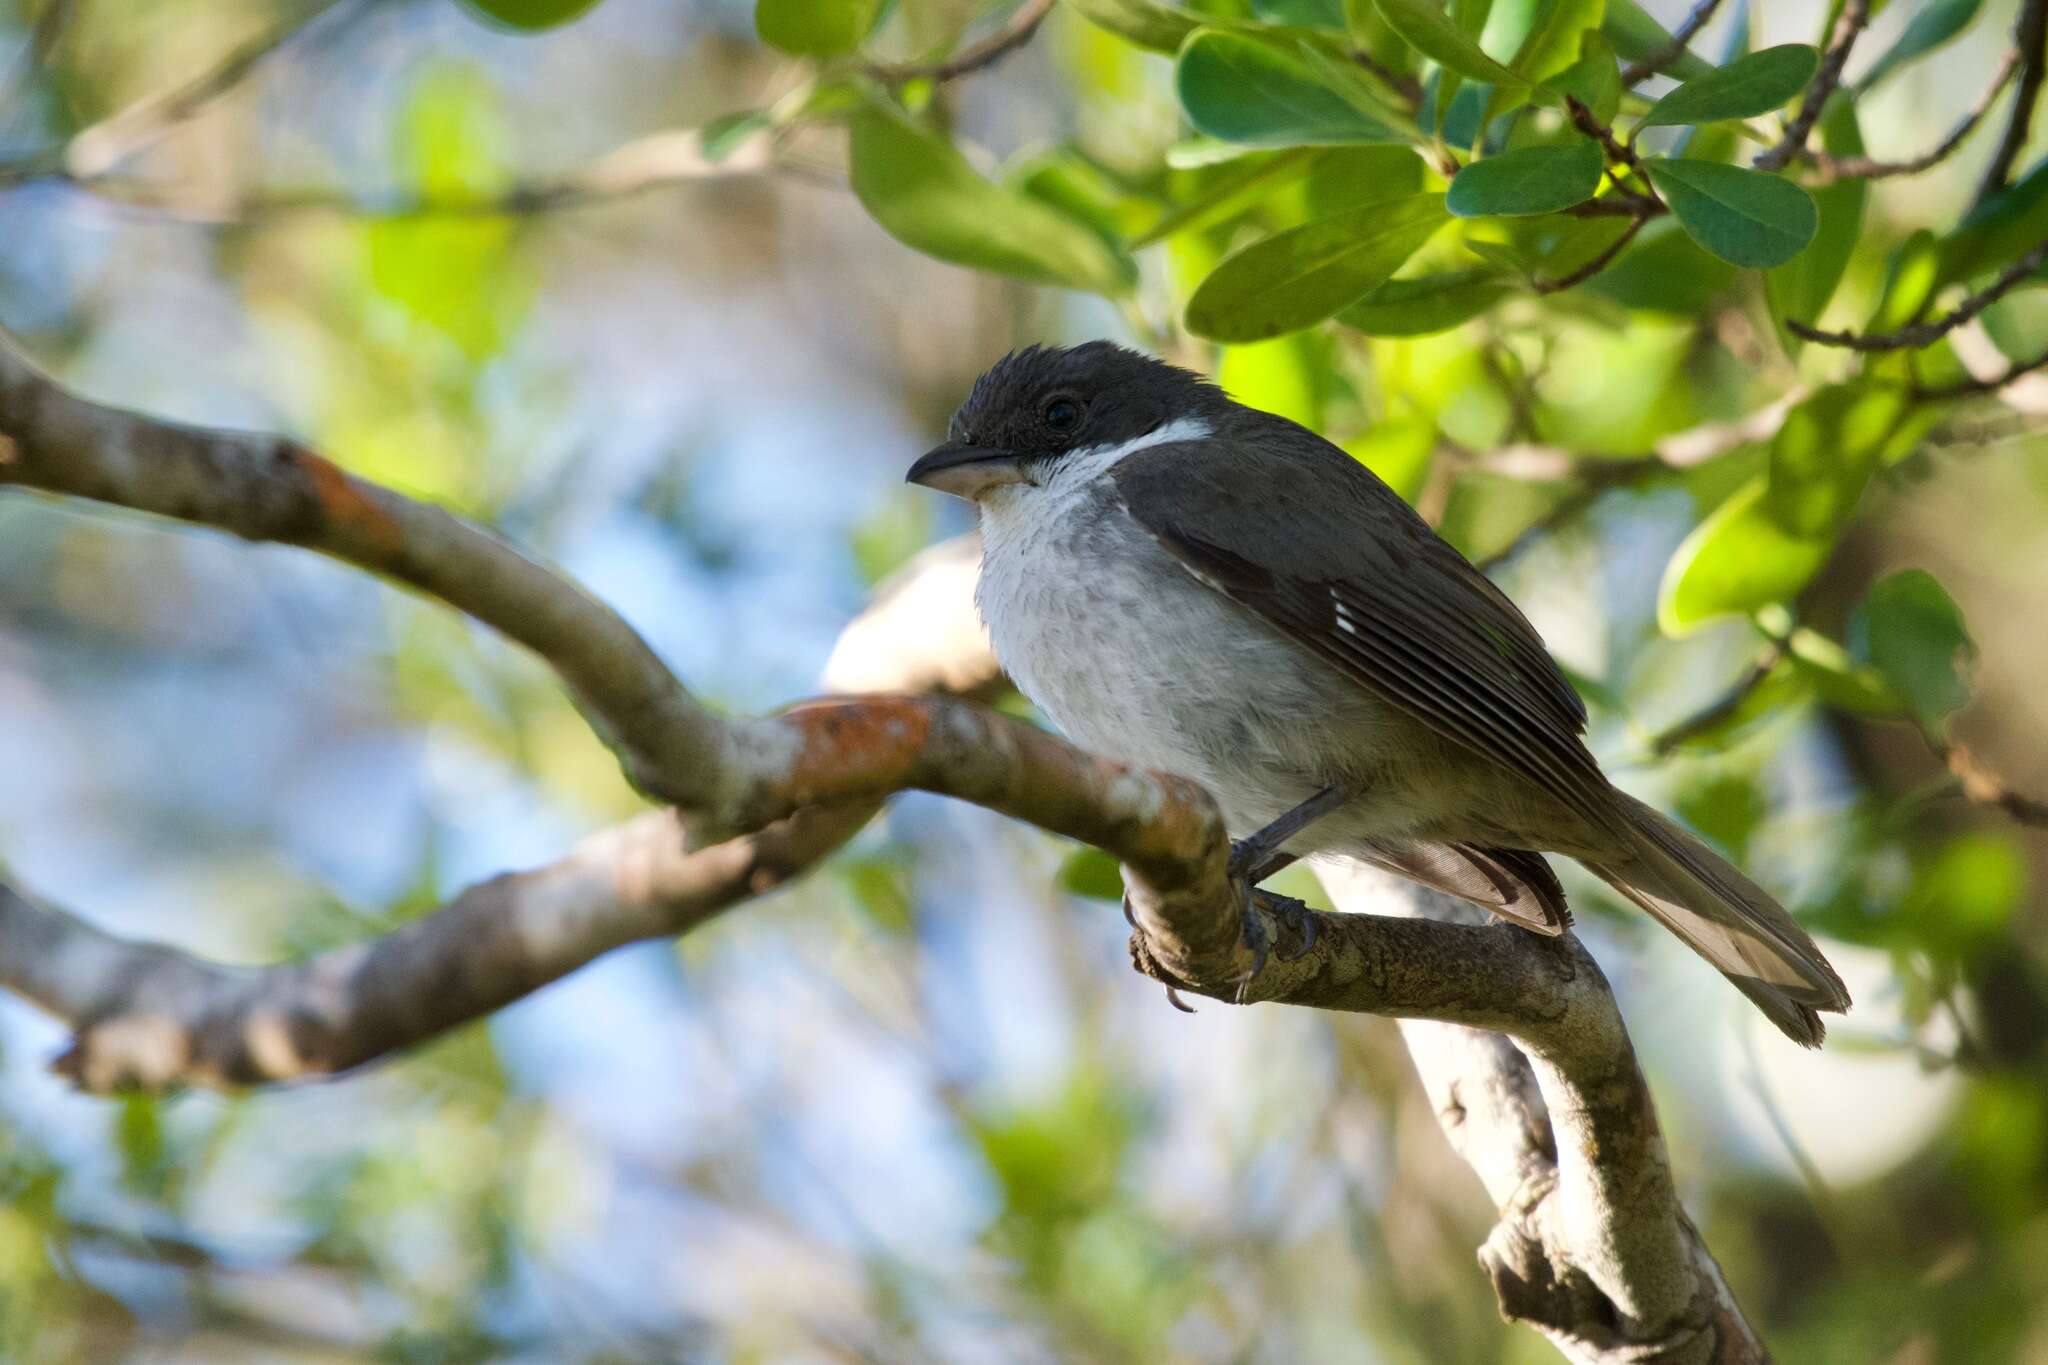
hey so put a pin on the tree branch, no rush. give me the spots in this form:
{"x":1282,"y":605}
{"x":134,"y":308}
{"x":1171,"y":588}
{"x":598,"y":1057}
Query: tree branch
{"x":1833,"y":168}
{"x":2030,"y":40}
{"x":1848,"y":25}
{"x":1593,"y":1247}
{"x":1919,"y":334}
{"x":1014,"y":34}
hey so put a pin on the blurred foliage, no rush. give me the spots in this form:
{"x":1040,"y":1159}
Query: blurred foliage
{"x":915,"y":1108}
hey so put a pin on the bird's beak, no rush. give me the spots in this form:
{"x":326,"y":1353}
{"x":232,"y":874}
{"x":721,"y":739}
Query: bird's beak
{"x":965,"y":471}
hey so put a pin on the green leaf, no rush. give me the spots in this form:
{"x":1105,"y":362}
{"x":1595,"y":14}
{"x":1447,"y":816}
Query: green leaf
{"x":1664,"y":271}
{"x":1351,"y":177}
{"x":2002,"y":227}
{"x":1527,"y":181}
{"x":1398,"y":451}
{"x":814,"y":28}
{"x":1745,"y":217}
{"x":1963,"y":897}
{"x":1735,"y":562}
{"x":1282,"y":376}
{"x":1753,"y":85}
{"x":925,"y":195}
{"x":530,"y":15}
{"x":1822,"y":458}
{"x":1640,"y":38}
{"x":1091,"y":873}
{"x":1144,"y":23}
{"x":1929,"y":29}
{"x":1594,"y":80}
{"x":1802,"y":286}
{"x":1425,"y":304}
{"x":2018,"y":324}
{"x":1839,"y":679}
{"x":1297,"y":278}
{"x":1550,"y":46}
{"x":1250,"y":91}
{"x":1910,"y":630}
{"x":1227,"y":190}
{"x":1432,"y":33}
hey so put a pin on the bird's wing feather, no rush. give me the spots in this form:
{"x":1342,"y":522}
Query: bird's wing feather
{"x":1299,"y":532}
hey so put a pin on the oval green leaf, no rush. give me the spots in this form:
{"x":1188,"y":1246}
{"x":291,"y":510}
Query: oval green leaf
{"x":814,"y":28}
{"x":1594,"y":79}
{"x":1745,"y":217}
{"x":1736,"y":561}
{"x":1526,"y":181}
{"x":1297,"y":278}
{"x":1250,"y":91}
{"x":1823,"y":455}
{"x":1144,"y":23}
{"x":1931,"y":28}
{"x":925,"y":195}
{"x":531,"y":15}
{"x":1910,"y":630}
{"x":1426,"y":304}
{"x":1752,"y":85}
{"x":1431,"y":32}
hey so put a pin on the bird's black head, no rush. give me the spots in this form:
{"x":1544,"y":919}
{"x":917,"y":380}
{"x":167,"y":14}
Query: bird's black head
{"x":1039,"y":405}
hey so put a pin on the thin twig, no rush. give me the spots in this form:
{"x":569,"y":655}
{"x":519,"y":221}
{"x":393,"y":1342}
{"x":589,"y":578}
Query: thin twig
{"x":1596,"y":265}
{"x":1584,"y":119}
{"x":1833,"y":168}
{"x":1641,"y":71}
{"x":1985,"y":788}
{"x":1013,"y":35}
{"x":1855,"y":14}
{"x":1722,"y":707}
{"x":1920,"y":334}
{"x":1964,"y":388}
{"x":2029,"y":37}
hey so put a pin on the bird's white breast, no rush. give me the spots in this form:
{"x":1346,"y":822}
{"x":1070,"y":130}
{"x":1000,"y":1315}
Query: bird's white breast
{"x":1132,"y":657}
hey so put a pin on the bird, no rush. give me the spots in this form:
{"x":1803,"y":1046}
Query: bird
{"x":1185,"y":583}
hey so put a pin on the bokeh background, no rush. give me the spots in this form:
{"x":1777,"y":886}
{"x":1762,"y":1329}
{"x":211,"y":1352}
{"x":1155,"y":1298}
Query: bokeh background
{"x":916,"y":1108}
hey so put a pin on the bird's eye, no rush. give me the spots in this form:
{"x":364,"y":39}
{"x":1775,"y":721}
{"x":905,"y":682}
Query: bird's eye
{"x":1062,"y":415}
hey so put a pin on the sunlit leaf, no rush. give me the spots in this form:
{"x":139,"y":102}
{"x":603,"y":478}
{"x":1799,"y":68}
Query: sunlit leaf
{"x":1595,"y":79}
{"x":1281,"y":376}
{"x":1251,"y":91}
{"x":1529,"y":180}
{"x":1091,"y":873}
{"x":1297,"y":278}
{"x":1736,"y":561}
{"x":1430,"y":31}
{"x":1145,"y":23}
{"x":1822,"y":458}
{"x":924,"y":194}
{"x":814,"y":28}
{"x":1910,"y":630}
{"x":1550,"y":46}
{"x":1426,"y":304}
{"x":1745,"y":217}
{"x":1399,"y":451}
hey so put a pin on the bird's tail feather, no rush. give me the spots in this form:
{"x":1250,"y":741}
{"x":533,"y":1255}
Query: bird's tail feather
{"x":1727,"y":919}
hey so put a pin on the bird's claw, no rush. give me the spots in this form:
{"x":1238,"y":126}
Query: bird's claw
{"x":1293,"y":915}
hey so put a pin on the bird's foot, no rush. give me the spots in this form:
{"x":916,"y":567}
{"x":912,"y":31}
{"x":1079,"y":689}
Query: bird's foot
{"x":1292,"y":915}
{"x":1137,"y":942}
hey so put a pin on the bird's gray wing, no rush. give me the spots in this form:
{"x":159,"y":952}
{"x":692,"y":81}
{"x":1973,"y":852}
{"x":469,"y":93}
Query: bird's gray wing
{"x":1302,"y":534}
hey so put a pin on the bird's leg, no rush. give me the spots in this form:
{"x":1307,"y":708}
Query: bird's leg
{"x":1260,"y":856}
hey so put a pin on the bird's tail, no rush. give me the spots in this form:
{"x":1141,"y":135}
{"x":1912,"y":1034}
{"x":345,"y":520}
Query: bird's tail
{"x":1727,"y":919}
